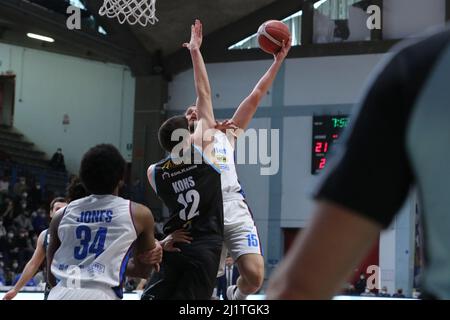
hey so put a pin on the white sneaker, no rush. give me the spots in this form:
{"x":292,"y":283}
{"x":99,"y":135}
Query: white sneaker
{"x":230,"y":292}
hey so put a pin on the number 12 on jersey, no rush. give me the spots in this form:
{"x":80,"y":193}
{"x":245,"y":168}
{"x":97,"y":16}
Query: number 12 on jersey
{"x":191,"y":199}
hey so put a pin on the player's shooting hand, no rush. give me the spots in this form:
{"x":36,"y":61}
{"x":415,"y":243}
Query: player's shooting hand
{"x":178,"y":236}
{"x":152,"y":257}
{"x":285,"y":47}
{"x":196,"y":36}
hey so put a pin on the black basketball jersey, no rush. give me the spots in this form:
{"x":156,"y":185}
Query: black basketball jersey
{"x":193,"y":194}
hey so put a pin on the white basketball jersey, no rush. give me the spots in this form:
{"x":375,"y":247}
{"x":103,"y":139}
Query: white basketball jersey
{"x":224,"y":155}
{"x":96,"y":233}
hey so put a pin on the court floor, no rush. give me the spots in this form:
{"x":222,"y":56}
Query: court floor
{"x":136,"y":296}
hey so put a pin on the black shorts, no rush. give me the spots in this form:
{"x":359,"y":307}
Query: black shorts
{"x":186,"y":275}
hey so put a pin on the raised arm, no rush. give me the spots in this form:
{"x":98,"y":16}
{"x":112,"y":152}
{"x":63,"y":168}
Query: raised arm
{"x":205,"y":112}
{"x":31,"y":268}
{"x":322,"y":258}
{"x":249,"y":105}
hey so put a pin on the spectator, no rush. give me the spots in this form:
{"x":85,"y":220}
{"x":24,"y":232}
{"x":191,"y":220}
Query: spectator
{"x":9,"y":277}
{"x":415,"y":294}
{"x":228,"y":279}
{"x":2,"y":270}
{"x":15,"y":267}
{"x":137,"y":192}
{"x":2,"y":229}
{"x":35,"y":198}
{"x":9,"y":246}
{"x":4,"y":188}
{"x":23,"y":221}
{"x":124,"y":190}
{"x":39,"y":220}
{"x":367,"y":293}
{"x":361,"y":284}
{"x":398,"y":294}
{"x":350,"y":290}
{"x":8,"y":214}
{"x":21,"y":188}
{"x":57,"y":161}
{"x":25,"y":247}
{"x":384,"y":292}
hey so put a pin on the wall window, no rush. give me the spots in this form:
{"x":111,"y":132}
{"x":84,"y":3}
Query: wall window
{"x":340,"y":20}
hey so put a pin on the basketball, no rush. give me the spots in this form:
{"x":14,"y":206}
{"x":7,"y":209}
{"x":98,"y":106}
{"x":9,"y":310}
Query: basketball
{"x":271,"y":35}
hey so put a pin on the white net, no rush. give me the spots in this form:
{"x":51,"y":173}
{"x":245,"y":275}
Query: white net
{"x":131,"y":11}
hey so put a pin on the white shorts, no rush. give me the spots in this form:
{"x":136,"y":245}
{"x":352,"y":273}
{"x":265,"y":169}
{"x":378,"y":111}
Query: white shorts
{"x":98,"y":293}
{"x":240,"y":234}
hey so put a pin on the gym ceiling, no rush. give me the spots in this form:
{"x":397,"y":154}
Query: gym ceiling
{"x":150,"y":50}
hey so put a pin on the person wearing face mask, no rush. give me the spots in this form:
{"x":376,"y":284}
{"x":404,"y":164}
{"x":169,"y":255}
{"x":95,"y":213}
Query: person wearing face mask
{"x":20,"y":187}
{"x":9,"y":246}
{"x":384,"y":292}
{"x":32,"y":267}
{"x":8,"y":214}
{"x":2,"y":273}
{"x":360,"y":285}
{"x":39,"y":220}
{"x":35,"y":196}
{"x":2,"y":229}
{"x":4,"y":188}
{"x":367,"y":293}
{"x":25,"y":247}
{"x":15,"y":267}
{"x":57,"y":161}
{"x":23,"y":221}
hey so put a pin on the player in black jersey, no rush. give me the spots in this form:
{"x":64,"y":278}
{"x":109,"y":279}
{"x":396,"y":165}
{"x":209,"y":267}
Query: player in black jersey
{"x":189,"y":184}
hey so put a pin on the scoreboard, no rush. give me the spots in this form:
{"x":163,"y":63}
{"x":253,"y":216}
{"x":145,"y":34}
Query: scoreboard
{"x":326,"y":132}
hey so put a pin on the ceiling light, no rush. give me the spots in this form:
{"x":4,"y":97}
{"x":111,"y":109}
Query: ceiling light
{"x":39,"y":37}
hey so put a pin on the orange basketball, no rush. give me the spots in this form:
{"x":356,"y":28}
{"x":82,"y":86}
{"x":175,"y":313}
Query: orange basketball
{"x":271,"y":35}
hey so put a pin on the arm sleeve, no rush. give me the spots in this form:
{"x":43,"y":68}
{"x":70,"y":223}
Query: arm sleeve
{"x":371,"y":174}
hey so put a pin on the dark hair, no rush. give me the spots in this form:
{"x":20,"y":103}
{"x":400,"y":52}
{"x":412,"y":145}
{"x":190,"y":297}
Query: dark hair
{"x":57,"y":199}
{"x":166,"y":130}
{"x":75,"y":190}
{"x":102,"y":168}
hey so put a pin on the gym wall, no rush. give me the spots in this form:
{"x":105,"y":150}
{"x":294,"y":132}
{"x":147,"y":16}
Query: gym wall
{"x":98,"y":98}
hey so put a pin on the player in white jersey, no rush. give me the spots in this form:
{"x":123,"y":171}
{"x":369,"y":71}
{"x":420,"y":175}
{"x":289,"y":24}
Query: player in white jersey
{"x":240,"y":233}
{"x":98,"y":239}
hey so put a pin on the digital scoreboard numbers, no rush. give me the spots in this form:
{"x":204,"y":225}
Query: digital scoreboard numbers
{"x":326,"y":132}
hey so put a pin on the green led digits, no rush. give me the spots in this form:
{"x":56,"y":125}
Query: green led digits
{"x":339,"y":122}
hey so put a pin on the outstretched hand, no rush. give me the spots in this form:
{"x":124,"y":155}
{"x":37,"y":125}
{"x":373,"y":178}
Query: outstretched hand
{"x":10,"y":294}
{"x":285,"y":47}
{"x":196,"y":36}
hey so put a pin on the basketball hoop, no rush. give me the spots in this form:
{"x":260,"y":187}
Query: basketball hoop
{"x":131,"y":11}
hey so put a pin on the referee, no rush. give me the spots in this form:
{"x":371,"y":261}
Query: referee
{"x":400,"y":138}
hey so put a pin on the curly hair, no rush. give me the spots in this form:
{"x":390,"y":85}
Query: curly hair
{"x":75,"y":190}
{"x":102,"y":168}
